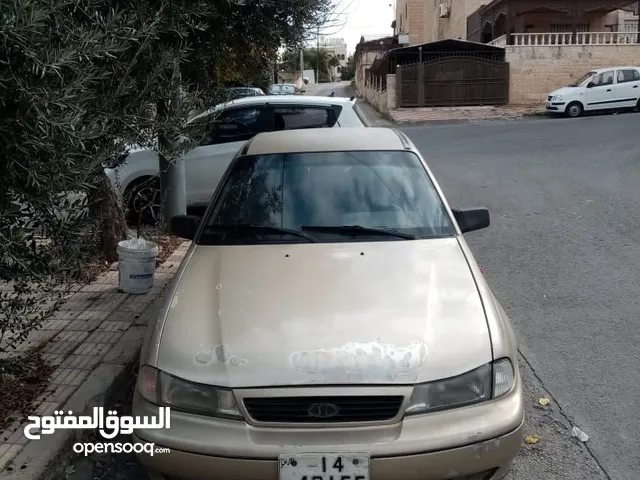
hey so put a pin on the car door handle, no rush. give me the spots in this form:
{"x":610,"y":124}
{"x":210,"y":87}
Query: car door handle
{"x":608,"y":90}
{"x":635,"y":86}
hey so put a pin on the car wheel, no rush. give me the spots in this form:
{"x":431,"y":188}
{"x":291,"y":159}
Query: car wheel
{"x":574,"y":109}
{"x":143,"y":202}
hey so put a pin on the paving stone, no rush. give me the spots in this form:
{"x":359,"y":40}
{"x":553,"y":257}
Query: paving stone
{"x":57,"y":394}
{"x":14,"y":434}
{"x":84,"y":362}
{"x":96,"y":315}
{"x":104,"y":337}
{"x":84,"y":325}
{"x":93,"y":349}
{"x":8,"y":452}
{"x":68,"y":376}
{"x":114,"y":326}
{"x":53,"y":359}
{"x":46,"y":408}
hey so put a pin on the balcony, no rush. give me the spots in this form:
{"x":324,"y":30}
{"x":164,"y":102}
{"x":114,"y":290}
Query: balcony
{"x":581,"y":38}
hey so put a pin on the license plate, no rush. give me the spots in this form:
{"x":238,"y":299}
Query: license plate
{"x":326,"y":466}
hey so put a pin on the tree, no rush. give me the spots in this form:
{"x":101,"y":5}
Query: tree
{"x":323,"y":60}
{"x":349,"y":70}
{"x":79,"y":81}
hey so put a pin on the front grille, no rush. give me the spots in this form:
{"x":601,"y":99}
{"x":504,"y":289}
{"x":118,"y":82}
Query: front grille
{"x":334,"y":409}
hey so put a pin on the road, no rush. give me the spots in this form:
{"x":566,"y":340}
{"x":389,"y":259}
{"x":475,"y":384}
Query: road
{"x":562,"y":256}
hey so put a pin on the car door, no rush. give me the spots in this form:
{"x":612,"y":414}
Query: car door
{"x":225,"y":134}
{"x":627,"y":87}
{"x":600,"y":92}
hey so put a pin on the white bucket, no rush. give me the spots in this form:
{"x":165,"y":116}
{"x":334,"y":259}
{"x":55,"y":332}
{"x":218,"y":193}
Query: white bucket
{"x":136,"y":265}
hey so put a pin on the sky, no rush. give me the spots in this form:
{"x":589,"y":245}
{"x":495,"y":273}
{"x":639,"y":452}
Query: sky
{"x":361,"y":17}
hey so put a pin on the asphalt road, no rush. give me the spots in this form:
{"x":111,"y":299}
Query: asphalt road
{"x":562,"y":256}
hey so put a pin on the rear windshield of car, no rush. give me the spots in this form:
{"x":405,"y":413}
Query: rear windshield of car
{"x":372,"y":189}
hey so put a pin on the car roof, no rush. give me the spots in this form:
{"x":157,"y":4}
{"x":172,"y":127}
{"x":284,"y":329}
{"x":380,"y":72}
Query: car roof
{"x":606,"y":69}
{"x":279,"y":99}
{"x":327,"y":140}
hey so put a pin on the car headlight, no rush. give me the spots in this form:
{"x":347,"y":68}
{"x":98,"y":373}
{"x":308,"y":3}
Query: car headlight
{"x":492,"y":380}
{"x":558,"y":98}
{"x":166,"y":390}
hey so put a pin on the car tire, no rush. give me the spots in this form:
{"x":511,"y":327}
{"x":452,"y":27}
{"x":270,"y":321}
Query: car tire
{"x":574,"y":109}
{"x":142,"y":201}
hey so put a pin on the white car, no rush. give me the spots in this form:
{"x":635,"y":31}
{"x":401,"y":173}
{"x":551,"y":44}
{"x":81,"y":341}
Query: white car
{"x":603,"y":89}
{"x":232,"y":124}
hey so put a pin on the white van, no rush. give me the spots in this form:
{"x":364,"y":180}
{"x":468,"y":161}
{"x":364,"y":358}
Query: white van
{"x":603,"y":89}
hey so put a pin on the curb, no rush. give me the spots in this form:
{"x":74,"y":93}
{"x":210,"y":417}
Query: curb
{"x":49,"y":457}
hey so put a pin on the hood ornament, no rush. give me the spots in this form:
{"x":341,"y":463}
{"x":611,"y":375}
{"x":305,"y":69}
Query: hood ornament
{"x":323,"y":410}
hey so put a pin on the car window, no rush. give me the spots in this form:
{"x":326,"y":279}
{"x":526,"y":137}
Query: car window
{"x":236,"y":124}
{"x":604,"y":78}
{"x":303,"y":116}
{"x":289,"y":89}
{"x":372,"y":189}
{"x":275,"y":89}
{"x":628,"y":75}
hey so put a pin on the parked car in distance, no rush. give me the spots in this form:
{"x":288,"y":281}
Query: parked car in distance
{"x":283,"y":89}
{"x":610,"y":88}
{"x":228,"y":127}
{"x":329,"y":321}
{"x":241,"y":92}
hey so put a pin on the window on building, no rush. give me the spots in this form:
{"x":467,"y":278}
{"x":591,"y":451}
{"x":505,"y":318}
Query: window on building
{"x":630,"y":26}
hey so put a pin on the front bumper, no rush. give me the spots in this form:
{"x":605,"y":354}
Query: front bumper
{"x":555,"y":106}
{"x":451,"y":444}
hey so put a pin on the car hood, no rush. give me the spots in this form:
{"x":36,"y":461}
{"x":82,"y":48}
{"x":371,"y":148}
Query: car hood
{"x":397,"y":312}
{"x":565,"y":91}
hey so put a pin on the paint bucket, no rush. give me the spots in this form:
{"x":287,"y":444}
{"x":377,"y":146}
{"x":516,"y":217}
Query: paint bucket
{"x":136,"y":265}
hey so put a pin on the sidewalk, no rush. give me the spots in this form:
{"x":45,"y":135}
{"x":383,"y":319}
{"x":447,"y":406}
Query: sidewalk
{"x":87,"y":342}
{"x":445,"y":114}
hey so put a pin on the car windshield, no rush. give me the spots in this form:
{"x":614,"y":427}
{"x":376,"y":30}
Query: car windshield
{"x":583,"y":79}
{"x":330,"y":196}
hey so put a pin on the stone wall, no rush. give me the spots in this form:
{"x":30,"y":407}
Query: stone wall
{"x":538,"y":70}
{"x":381,"y":98}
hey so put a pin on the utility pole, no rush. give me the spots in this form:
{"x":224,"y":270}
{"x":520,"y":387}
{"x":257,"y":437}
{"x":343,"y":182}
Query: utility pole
{"x":318,"y":56}
{"x":302,"y":66}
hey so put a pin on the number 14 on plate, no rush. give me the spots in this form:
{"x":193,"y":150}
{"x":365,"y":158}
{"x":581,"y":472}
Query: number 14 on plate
{"x":325,"y":466}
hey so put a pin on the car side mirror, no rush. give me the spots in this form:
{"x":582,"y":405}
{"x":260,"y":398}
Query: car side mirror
{"x":472,"y":219}
{"x":185,"y":226}
{"x":591,"y":85}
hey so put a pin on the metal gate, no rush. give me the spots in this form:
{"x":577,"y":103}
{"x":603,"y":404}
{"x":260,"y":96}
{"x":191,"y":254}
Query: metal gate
{"x":453,"y":80}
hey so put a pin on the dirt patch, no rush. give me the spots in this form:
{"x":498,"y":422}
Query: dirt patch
{"x":22,"y":380}
{"x":167,"y":244}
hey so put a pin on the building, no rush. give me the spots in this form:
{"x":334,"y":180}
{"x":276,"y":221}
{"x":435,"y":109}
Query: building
{"x":432,"y":20}
{"x":336,"y":47}
{"x":470,"y":52}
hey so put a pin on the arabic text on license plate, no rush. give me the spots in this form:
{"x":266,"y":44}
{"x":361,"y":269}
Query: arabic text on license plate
{"x":325,"y":466}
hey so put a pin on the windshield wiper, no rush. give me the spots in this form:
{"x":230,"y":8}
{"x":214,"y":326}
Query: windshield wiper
{"x":358,"y":229}
{"x":248,"y":227}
